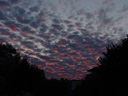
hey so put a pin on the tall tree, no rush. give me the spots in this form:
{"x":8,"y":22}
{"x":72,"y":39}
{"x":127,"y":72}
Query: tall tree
{"x":17,"y":75}
{"x":110,"y":77}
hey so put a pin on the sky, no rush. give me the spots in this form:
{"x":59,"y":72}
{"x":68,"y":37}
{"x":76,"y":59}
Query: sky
{"x":65,"y":38}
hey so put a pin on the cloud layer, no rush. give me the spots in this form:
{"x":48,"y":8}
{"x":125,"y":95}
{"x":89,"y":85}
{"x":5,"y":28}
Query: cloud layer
{"x":65,"y":38}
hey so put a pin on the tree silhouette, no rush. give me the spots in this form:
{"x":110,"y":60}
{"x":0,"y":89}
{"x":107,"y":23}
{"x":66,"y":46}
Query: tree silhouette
{"x":110,"y":77}
{"x":57,"y":87}
{"x":17,"y":75}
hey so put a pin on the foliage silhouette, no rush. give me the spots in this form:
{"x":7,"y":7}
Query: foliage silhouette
{"x":58,"y":87}
{"x":19,"y":78}
{"x":110,"y":77}
{"x":17,"y":75}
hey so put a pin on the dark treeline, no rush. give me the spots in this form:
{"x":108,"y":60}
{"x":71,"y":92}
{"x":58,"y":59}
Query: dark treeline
{"x":20,"y":78}
{"x":110,"y":77}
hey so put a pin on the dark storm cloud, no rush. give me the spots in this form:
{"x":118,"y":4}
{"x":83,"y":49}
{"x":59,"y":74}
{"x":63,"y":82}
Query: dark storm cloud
{"x":14,"y":1}
{"x":43,"y":28}
{"x":57,"y":27}
{"x":106,"y":1}
{"x":107,"y":21}
{"x":14,"y":36}
{"x":23,"y":20}
{"x":78,"y":25}
{"x":4,"y":4}
{"x":32,"y":32}
{"x":76,"y":32}
{"x":47,"y":51}
{"x":26,"y":29}
{"x":103,"y":16}
{"x":37,"y":62}
{"x":102,"y":13}
{"x":53,"y":61}
{"x":34,"y":9}
{"x":64,"y":33}
{"x":69,"y":61}
{"x":12,"y":25}
{"x":20,"y":14}
{"x":31,"y":38}
{"x":44,"y":57}
{"x":124,"y":9}
{"x":2,"y":16}
{"x":4,"y":31}
{"x":83,"y":31}
{"x":70,"y":26}
{"x":28,"y":44}
{"x":42,"y":13}
{"x":37,"y":50}
{"x":89,"y":15}
{"x":34,"y":24}
{"x":20,"y":10}
{"x":61,"y":49}
{"x":63,"y":41}
{"x":2,"y":39}
{"x":67,"y":22}
{"x":44,"y":36}
{"x":56,"y":21}
{"x":72,"y":36}
{"x":54,"y":31}
{"x":73,"y":45}
{"x":70,"y":54}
